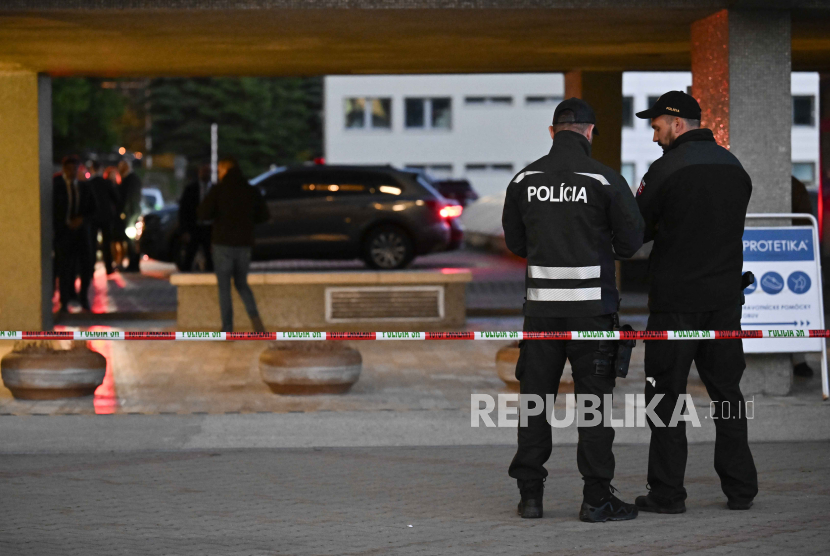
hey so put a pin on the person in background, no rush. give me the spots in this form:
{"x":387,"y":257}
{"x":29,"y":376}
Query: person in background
{"x":73,"y":208}
{"x":130,"y":208}
{"x":195,"y":232}
{"x":235,"y":207}
{"x":106,"y":200}
{"x":119,"y":237}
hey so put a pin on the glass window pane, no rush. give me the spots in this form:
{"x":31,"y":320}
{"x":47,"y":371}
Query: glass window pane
{"x":442,"y":113}
{"x":414,"y":108}
{"x":627,"y":172}
{"x":502,"y":100}
{"x":382,"y":113}
{"x":628,"y":112}
{"x":502,"y":167}
{"x":803,"y":110}
{"x":474,"y":100}
{"x":354,"y":108}
{"x":542,"y":100}
{"x":805,"y":172}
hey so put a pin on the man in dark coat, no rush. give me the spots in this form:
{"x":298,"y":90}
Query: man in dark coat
{"x":106,"y":200}
{"x":130,"y":208}
{"x":195,"y":233}
{"x":694,"y":200}
{"x":72,"y":209}
{"x":235,"y":207}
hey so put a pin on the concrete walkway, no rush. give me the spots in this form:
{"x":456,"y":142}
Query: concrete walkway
{"x":373,"y":501}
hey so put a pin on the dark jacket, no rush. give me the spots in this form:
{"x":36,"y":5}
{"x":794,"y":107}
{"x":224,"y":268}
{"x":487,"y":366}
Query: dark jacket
{"x":83,"y":205}
{"x":188,"y":205}
{"x":130,"y":198}
{"x":106,"y":199}
{"x":569,"y":216}
{"x":235,"y":207}
{"x":694,"y":201}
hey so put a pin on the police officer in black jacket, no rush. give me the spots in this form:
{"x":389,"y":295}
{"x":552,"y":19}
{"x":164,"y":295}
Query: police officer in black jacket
{"x":694,"y":200}
{"x":570,"y":216}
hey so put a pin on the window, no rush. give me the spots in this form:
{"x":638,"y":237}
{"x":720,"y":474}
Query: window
{"x":628,"y":112}
{"x":483,"y":167}
{"x":627,"y":170}
{"x":804,"y":110}
{"x":440,"y":171}
{"x":542,"y":100}
{"x":368,"y":113}
{"x":651,"y":100}
{"x":489,"y":101}
{"x":805,"y":172}
{"x":428,"y":113}
{"x":284,"y":186}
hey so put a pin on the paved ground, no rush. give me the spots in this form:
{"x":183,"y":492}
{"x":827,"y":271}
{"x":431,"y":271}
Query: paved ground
{"x":371,"y":501}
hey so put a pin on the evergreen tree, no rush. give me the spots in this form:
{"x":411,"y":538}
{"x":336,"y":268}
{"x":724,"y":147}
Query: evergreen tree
{"x":262,"y":121}
{"x":85,"y":116}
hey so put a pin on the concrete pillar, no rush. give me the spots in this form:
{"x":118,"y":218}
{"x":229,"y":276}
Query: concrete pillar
{"x":26,"y":207}
{"x":741,"y":77}
{"x":603,"y":91}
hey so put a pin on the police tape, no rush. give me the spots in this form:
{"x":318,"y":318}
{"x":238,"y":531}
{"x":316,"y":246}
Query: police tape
{"x":334,"y":336}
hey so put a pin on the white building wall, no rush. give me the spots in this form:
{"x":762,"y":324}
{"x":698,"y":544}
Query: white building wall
{"x":496,"y":134}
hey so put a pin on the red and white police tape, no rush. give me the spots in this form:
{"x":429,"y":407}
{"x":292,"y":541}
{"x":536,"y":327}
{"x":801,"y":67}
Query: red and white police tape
{"x":510,"y":335}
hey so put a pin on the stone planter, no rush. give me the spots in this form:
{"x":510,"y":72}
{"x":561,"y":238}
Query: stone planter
{"x":301,"y":368}
{"x":50,"y":370}
{"x":506,"y":359}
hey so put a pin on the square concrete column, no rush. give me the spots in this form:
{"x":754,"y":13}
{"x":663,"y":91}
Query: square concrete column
{"x":603,"y":91}
{"x":26,"y":207}
{"x":741,"y":77}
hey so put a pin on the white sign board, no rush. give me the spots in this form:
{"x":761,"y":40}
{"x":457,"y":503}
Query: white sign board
{"x":787,"y":289}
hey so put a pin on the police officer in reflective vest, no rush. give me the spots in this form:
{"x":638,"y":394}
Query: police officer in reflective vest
{"x":694,"y":200}
{"x":570,"y":216}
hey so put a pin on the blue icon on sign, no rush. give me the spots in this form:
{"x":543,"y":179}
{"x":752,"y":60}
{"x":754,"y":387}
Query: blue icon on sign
{"x":798,"y":282}
{"x":772,"y":283}
{"x":752,"y":287}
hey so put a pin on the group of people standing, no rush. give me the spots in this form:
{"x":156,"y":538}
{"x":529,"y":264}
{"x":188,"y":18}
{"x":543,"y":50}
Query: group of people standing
{"x":105,"y":203}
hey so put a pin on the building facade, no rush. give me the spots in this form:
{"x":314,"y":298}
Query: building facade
{"x":486,"y":127}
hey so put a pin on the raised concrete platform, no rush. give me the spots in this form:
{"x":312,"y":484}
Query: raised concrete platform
{"x":357,"y":300}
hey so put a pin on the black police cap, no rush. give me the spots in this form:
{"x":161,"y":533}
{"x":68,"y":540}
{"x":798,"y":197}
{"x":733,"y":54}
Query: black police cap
{"x":673,"y":103}
{"x":582,"y":111}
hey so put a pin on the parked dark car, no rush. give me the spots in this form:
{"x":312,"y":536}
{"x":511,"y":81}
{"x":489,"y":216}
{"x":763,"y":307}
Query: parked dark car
{"x":380,"y":214}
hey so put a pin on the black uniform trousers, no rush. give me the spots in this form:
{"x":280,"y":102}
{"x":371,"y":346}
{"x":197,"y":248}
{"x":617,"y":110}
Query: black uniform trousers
{"x":720,"y":364}
{"x":105,"y":227}
{"x":73,"y":257}
{"x":539,"y":370}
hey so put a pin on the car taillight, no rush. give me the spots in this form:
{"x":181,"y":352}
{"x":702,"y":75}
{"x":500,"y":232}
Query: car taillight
{"x":451,"y":211}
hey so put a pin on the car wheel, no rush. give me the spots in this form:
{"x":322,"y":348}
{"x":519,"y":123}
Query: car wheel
{"x":387,"y":248}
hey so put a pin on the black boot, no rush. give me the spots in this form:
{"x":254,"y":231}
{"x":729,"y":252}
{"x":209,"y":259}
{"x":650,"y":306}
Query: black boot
{"x":649,"y":503}
{"x":530,"y":506}
{"x":609,"y":508}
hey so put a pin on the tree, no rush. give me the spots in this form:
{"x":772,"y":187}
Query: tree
{"x":85,"y":116}
{"x":262,"y":121}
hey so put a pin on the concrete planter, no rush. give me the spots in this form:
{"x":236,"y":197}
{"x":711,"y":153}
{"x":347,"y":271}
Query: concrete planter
{"x":296,"y":368}
{"x":506,"y":359}
{"x":52,"y":370}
